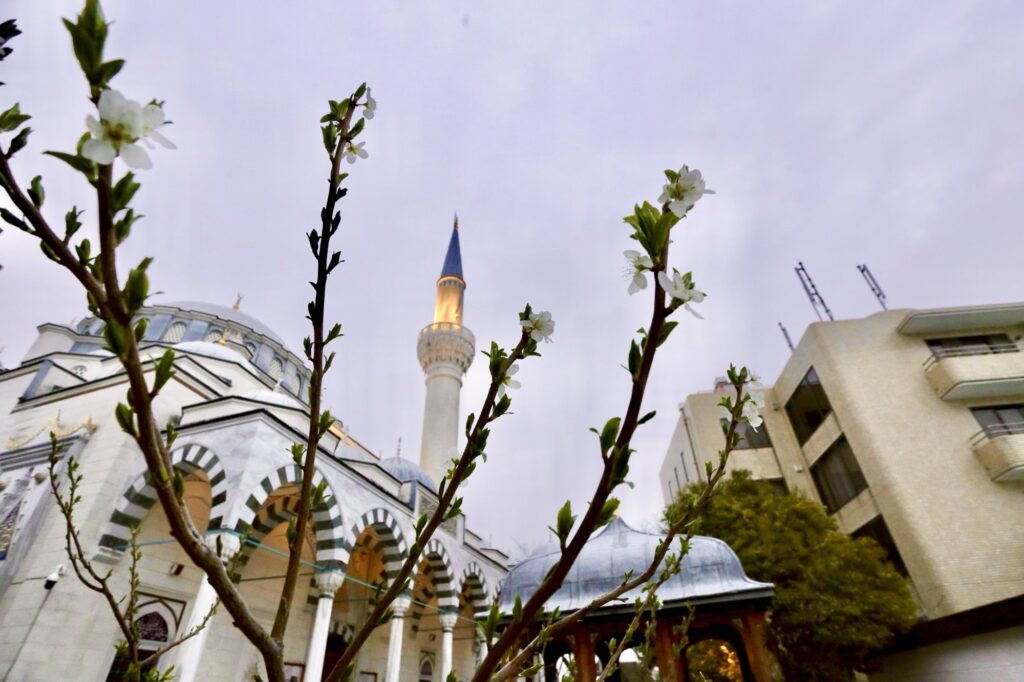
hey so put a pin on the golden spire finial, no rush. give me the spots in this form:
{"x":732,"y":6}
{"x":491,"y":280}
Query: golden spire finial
{"x":238,"y":302}
{"x":224,"y":336}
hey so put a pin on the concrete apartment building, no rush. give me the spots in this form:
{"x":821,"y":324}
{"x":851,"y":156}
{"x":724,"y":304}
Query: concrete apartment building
{"x":908,"y":426}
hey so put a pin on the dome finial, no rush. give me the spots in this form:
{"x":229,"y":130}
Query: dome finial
{"x":238,"y":302}
{"x":398,"y":450}
{"x":456,"y":226}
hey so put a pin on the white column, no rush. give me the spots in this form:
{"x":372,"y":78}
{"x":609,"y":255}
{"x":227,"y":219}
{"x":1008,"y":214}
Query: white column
{"x":191,"y":651}
{"x":447,"y":625}
{"x":398,"y":609}
{"x":481,"y":647}
{"x":327,"y":583}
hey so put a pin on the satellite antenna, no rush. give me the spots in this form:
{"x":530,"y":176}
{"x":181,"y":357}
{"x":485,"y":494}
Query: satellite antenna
{"x":817,"y":302}
{"x":785,"y":335}
{"x":876,"y":289}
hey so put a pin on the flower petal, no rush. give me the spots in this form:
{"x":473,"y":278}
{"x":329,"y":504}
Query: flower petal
{"x":135,"y":156}
{"x":99,"y":151}
{"x":159,"y":138}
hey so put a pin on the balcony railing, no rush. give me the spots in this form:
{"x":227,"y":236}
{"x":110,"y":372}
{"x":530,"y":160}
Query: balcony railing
{"x":964,"y":351}
{"x":997,"y":431}
{"x":1000,"y":449}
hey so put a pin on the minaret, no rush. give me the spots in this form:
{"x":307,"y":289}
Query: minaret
{"x":445,"y":349}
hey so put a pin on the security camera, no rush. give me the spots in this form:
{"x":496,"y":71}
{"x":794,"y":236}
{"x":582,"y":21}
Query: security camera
{"x":52,"y":579}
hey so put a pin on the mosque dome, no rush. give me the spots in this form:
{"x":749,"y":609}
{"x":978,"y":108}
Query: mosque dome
{"x":711,"y":571}
{"x":406,"y":470}
{"x":272,"y":398}
{"x":225,"y":313}
{"x":212,"y":350}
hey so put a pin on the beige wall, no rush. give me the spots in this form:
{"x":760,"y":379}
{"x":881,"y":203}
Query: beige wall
{"x":959,"y":532}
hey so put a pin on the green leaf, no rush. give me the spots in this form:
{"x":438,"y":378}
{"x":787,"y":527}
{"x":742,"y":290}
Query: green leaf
{"x":634,"y":360}
{"x":71,"y":223}
{"x":122,"y":192}
{"x":14,"y":220}
{"x":12,"y":118}
{"x":19,"y":141}
{"x":125,"y":418}
{"x":564,"y":522}
{"x":646,"y":418}
{"x":666,"y":329}
{"x":164,"y":371}
{"x":609,"y":432}
{"x":608,"y":510}
{"x":136,"y":287}
{"x":79,"y":163}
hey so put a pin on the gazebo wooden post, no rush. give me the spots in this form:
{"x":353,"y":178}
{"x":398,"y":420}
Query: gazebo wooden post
{"x":758,"y":656}
{"x":583,"y":652}
{"x":665,"y":651}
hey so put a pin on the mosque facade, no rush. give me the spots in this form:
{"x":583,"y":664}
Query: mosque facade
{"x":239,"y":399}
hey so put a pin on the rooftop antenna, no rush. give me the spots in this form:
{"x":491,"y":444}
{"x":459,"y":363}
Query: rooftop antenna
{"x":398,"y":450}
{"x":876,"y":289}
{"x":817,"y":302}
{"x":785,"y":334}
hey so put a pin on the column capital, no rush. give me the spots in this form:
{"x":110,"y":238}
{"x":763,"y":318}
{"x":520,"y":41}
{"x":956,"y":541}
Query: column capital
{"x":328,"y":582}
{"x":448,"y":620}
{"x":399,"y":606}
{"x":229,"y":544}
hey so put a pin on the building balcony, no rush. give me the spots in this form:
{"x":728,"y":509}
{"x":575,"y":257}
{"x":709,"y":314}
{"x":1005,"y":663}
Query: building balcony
{"x":976,"y":372}
{"x":1000,"y":449}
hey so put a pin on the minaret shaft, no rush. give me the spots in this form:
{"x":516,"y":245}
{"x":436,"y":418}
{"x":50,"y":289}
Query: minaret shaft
{"x":445,"y":349}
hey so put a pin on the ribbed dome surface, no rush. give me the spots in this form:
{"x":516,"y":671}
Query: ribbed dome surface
{"x":212,"y":350}
{"x":406,"y":470}
{"x":711,"y":571}
{"x":225,"y":313}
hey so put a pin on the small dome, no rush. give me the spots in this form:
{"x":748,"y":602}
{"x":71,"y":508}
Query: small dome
{"x":711,"y":571}
{"x":225,"y":313}
{"x":212,"y":350}
{"x":272,"y":398}
{"x":406,"y":470}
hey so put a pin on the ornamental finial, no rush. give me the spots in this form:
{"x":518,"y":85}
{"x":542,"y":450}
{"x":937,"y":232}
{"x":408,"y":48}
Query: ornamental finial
{"x":238,"y":302}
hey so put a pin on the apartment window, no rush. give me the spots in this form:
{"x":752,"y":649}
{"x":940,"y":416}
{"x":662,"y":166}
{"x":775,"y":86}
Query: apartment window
{"x":750,"y":438}
{"x":983,"y":344}
{"x":837,"y":476}
{"x":808,"y":407}
{"x":1001,"y":420}
{"x":879,"y":532}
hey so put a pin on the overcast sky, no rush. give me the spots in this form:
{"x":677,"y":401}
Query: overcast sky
{"x":834,"y":133}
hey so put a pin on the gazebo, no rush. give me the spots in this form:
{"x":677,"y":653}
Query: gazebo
{"x":725,"y":608}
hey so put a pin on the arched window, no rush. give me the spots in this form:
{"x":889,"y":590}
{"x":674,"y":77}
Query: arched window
{"x":426,"y":669}
{"x":276,"y":370}
{"x":251,"y":349}
{"x":213,"y":335}
{"x":153,"y":628}
{"x":176,"y":332}
{"x":158,"y":621}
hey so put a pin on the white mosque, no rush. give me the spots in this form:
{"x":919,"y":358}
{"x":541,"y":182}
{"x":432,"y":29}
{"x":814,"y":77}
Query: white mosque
{"x":239,"y":399}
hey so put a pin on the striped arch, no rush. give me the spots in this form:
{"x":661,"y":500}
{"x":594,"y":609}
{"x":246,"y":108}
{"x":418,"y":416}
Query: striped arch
{"x":139,"y":498}
{"x":437,"y":569}
{"x":332,"y":547}
{"x":391,"y":540}
{"x":473,"y":586}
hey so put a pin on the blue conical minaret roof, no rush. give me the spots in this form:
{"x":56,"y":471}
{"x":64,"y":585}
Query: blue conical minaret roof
{"x":453,"y":259}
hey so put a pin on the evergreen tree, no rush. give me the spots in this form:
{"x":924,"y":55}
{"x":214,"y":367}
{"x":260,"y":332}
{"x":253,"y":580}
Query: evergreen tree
{"x":837,"y":598}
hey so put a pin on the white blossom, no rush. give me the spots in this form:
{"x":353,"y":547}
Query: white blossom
{"x":685,"y":191}
{"x":681,"y":288}
{"x":752,"y":409}
{"x":540,"y":325}
{"x":639,"y":264}
{"x":353,"y":150}
{"x":122,"y":123}
{"x":508,"y":381}
{"x":370,"y":107}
